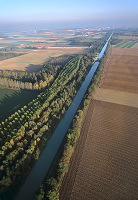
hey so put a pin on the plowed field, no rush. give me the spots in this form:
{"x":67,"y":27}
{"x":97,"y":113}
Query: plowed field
{"x":112,"y":96}
{"x":104,"y":164}
{"x":135,"y":46}
{"x":121,"y":71}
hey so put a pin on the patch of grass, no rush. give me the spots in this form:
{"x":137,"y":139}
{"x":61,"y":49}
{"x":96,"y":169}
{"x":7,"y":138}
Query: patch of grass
{"x":132,"y":44}
{"x":122,"y":44}
{"x":126,"y":44}
{"x":12,"y":100}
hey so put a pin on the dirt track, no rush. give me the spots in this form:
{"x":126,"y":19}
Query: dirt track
{"x":104,"y":165}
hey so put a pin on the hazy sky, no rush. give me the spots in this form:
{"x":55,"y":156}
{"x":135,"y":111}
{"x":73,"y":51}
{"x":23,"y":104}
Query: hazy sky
{"x":106,"y":12}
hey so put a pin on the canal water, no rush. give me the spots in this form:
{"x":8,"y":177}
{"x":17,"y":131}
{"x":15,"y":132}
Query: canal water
{"x":45,"y":160}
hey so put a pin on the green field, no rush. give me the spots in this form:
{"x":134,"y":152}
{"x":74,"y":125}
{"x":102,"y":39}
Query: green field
{"x":17,"y":42}
{"x":126,"y":44}
{"x":12,"y":100}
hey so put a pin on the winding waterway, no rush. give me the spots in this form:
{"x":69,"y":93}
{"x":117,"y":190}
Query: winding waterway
{"x":45,"y":160}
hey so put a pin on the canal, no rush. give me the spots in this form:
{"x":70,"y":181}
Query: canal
{"x":41,"y":167}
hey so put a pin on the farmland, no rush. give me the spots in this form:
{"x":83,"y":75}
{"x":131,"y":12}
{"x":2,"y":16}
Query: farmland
{"x":12,"y":100}
{"x":121,"y":71}
{"x":135,"y":46}
{"x":127,"y":44}
{"x":127,"y":37}
{"x":104,"y":165}
{"x":39,"y":47}
{"x":25,"y":132}
{"x":112,"y":96}
{"x":36,"y":58}
{"x":45,"y":112}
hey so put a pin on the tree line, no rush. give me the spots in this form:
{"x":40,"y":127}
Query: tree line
{"x":4,"y":56}
{"x":36,"y":80}
{"x":24,"y":133}
{"x":50,"y":189}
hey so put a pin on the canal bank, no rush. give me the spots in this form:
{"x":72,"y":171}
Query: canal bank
{"x":44,"y":162}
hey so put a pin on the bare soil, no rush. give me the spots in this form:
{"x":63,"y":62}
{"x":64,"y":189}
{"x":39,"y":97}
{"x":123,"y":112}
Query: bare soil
{"x":104,"y":164}
{"x":135,"y":46}
{"x":112,"y":96}
{"x":124,"y":51}
{"x":121,"y":71}
{"x":36,"y":57}
{"x":127,"y":37}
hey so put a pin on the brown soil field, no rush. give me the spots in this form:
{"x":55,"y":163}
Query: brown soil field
{"x":2,"y":41}
{"x":104,"y":165}
{"x":112,"y":96}
{"x":127,"y":37}
{"x":121,"y":71}
{"x":36,"y":57}
{"x":124,"y":51}
{"x":135,"y":46}
{"x":118,"y":59}
{"x":79,"y":48}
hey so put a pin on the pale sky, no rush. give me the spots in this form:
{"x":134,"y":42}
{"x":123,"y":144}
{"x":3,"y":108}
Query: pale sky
{"x":107,"y":12}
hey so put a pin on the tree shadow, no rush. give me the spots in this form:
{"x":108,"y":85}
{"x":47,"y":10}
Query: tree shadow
{"x":33,"y":68}
{"x":13,"y":101}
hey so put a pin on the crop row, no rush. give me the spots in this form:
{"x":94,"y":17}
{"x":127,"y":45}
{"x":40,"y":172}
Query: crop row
{"x":127,"y":44}
{"x":25,"y":131}
{"x":49,"y":189}
{"x":14,"y":122}
{"x":31,"y":112}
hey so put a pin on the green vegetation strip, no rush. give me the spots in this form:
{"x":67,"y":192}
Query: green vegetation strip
{"x":73,"y":135}
{"x":121,"y":44}
{"x":127,"y":44}
{"x":24,"y":134}
{"x":132,"y":44}
{"x":13,"y":100}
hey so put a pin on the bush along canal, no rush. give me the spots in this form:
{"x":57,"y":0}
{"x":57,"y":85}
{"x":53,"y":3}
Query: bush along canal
{"x":42,"y":166}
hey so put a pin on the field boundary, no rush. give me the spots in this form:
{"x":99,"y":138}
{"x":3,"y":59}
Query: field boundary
{"x":126,"y":44}
{"x":112,"y":96}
